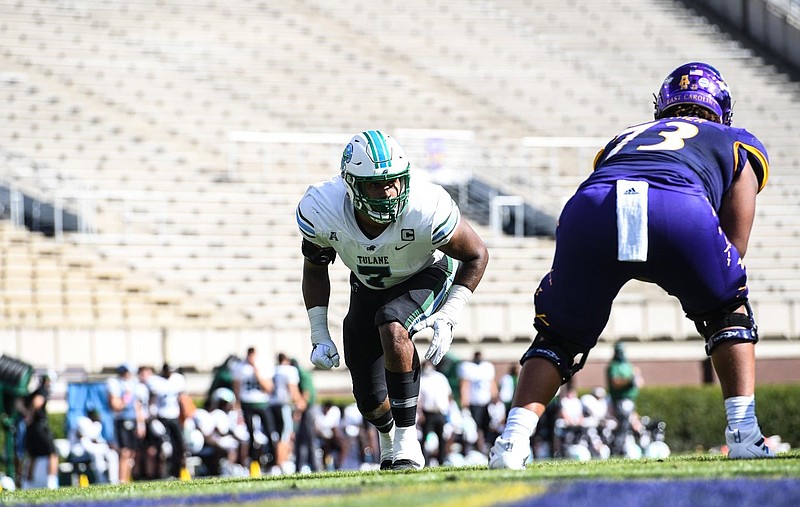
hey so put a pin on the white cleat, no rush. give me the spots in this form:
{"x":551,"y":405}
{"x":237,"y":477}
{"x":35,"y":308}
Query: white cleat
{"x":509,"y":454}
{"x":749,"y":445}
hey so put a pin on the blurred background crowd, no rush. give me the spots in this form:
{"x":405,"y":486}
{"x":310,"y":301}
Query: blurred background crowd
{"x":262,"y":415}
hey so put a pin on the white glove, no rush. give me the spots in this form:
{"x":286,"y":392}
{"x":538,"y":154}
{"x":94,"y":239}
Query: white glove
{"x":443,"y":322}
{"x":324,"y":354}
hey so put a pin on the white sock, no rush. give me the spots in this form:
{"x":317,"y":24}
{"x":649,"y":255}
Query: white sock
{"x":741,"y":412}
{"x":52,"y":482}
{"x":406,"y":444}
{"x":386,"y":440}
{"x":520,"y":424}
{"x":405,"y":434}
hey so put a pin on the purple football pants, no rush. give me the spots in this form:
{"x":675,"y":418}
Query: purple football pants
{"x":688,"y":256}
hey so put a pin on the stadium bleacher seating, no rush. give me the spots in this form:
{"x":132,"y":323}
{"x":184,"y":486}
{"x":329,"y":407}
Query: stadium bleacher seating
{"x":123,"y":111}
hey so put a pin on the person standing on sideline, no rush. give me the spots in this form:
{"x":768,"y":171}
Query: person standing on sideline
{"x":284,"y":400}
{"x":330,"y":433}
{"x":478,"y":389}
{"x":507,"y":386}
{"x":434,"y":401}
{"x":253,"y":384}
{"x":414,"y":264}
{"x":304,"y":444}
{"x":623,"y":380}
{"x":670,"y":201}
{"x":165,"y":391}
{"x":129,"y":418}
{"x":39,"y":441}
{"x":147,"y":465}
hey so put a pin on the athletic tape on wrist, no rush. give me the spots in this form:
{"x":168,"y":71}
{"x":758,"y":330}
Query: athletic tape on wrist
{"x":318,"y":318}
{"x":457,"y":299}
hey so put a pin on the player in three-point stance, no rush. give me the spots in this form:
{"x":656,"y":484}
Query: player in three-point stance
{"x":671,"y":201}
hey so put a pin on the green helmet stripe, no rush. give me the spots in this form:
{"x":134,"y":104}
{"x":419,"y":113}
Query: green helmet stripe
{"x":378,"y":149}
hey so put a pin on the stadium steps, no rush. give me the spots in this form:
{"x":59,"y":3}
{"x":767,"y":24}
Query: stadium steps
{"x":136,"y":101}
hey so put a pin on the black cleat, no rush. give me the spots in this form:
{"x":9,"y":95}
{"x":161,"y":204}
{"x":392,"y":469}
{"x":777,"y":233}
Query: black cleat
{"x":406,"y":464}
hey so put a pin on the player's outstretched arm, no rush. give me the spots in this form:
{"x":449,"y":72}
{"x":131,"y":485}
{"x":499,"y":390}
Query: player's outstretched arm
{"x":467,"y":247}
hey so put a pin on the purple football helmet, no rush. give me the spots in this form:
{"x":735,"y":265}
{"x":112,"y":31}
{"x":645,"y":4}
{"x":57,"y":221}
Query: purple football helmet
{"x":696,"y":83}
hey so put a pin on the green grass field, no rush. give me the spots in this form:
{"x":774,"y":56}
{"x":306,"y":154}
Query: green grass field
{"x":462,"y":487}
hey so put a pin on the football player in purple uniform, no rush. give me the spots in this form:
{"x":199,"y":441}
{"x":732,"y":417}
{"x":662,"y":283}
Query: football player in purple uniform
{"x":671,"y":202}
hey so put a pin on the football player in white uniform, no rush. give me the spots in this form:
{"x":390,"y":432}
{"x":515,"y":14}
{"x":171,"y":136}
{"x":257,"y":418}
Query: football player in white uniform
{"x":414,"y":263}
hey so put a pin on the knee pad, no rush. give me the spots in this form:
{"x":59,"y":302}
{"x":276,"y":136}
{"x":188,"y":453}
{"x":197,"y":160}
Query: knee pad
{"x":559,"y":351}
{"x":370,"y":402}
{"x":711,"y":325}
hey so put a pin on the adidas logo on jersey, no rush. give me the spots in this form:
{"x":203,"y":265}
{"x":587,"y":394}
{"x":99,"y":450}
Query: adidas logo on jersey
{"x":631,"y":191}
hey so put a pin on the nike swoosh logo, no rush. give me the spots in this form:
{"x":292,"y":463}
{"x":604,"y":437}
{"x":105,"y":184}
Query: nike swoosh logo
{"x":407,"y":403}
{"x":401,"y":247}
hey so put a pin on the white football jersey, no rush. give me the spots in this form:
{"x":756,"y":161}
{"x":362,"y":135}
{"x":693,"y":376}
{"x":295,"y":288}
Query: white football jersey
{"x":480,"y":377}
{"x":250,"y":390}
{"x":326,"y":218}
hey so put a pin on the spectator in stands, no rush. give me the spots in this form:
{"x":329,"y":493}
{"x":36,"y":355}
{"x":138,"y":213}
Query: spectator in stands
{"x":283,"y":401}
{"x":253,"y":384}
{"x":305,"y":441}
{"x":400,"y":242}
{"x":42,"y":464}
{"x":129,"y":418}
{"x":478,"y":389}
{"x":435,"y":396}
{"x":671,"y":201}
{"x":623,"y":380}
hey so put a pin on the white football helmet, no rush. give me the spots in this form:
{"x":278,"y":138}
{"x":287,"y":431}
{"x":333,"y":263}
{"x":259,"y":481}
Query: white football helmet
{"x":375,"y":156}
